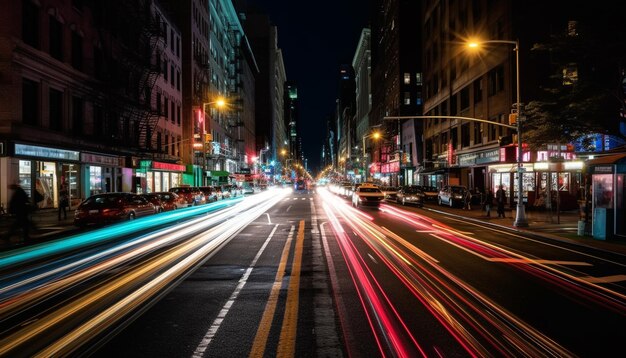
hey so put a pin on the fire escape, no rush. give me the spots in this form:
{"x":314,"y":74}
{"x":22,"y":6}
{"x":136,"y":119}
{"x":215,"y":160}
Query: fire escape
{"x":131,"y":59}
{"x":235,"y":88}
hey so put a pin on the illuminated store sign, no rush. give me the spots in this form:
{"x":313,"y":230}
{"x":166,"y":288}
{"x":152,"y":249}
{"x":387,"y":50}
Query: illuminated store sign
{"x":44,"y":152}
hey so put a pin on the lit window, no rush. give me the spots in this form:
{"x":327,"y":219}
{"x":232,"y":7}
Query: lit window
{"x":418,"y":79}
{"x":407,"y":98}
{"x":407,"y":78}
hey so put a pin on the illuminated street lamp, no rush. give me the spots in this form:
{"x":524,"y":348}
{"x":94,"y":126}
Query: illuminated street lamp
{"x":520,"y":218}
{"x":375,"y":135}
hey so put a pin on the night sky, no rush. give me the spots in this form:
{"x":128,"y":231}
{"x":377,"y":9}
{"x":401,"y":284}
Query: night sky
{"x":315,"y":38}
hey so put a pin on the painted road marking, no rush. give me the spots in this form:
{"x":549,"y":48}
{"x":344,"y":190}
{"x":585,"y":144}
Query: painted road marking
{"x":210,"y":334}
{"x":263,"y":332}
{"x":287,"y":341}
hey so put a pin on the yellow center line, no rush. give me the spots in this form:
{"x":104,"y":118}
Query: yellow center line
{"x":287,"y":342}
{"x":260,"y":340}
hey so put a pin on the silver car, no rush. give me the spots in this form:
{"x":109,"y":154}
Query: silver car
{"x":451,"y":195}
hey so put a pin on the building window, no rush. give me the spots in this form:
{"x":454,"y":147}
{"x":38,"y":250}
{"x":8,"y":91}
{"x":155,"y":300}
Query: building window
{"x":172,"y":74}
{"x":56,"y":38}
{"x":178,"y":80}
{"x":159,"y":142}
{"x":158,"y":103}
{"x":465,"y":99}
{"x":418,"y":99}
{"x":407,"y":78}
{"x":453,"y":105}
{"x":165,"y":70}
{"x":56,"y":109}
{"x":77,"y":51}
{"x":478,"y":133}
{"x":478,"y":90}
{"x":407,"y":98}
{"x":30,"y":23}
{"x":178,"y":114}
{"x":465,"y":135}
{"x":77,"y":115}
{"x":418,"y":79}
{"x":98,"y":58}
{"x":496,"y":80}
{"x":173,"y":113}
{"x":30,"y":102}
{"x":166,"y":109}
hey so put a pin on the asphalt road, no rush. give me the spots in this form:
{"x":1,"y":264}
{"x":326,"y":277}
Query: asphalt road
{"x":311,"y":276}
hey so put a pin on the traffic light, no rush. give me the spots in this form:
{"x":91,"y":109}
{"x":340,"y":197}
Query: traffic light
{"x":208,"y":137}
{"x":513,"y":119}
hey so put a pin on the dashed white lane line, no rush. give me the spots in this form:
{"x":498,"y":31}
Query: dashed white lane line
{"x":210,"y":334}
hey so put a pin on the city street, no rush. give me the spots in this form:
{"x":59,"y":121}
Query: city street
{"x":305,"y":274}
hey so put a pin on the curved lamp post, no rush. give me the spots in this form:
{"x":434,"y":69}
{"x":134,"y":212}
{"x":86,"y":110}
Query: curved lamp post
{"x":520,"y":218}
{"x":376,"y":135}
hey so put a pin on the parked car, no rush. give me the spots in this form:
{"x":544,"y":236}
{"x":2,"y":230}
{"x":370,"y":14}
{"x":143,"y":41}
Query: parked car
{"x":430,"y":192}
{"x":367,"y":195}
{"x":112,"y":207}
{"x":410,"y":194}
{"x":191,"y":194}
{"x":451,"y":195}
{"x":210,"y":194}
{"x":165,"y":201}
{"x":389,"y":192}
{"x":232,"y":190}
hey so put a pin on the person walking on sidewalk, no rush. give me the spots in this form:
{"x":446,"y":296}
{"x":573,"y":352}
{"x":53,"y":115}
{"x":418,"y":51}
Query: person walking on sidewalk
{"x":500,"y":200}
{"x":467,"y":199}
{"x":64,"y":201}
{"x":488,"y":202}
{"x":19,"y":207}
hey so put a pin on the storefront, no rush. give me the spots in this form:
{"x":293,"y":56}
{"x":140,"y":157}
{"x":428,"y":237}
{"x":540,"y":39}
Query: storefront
{"x":45,"y":170}
{"x":102,"y":172}
{"x":160,"y":176}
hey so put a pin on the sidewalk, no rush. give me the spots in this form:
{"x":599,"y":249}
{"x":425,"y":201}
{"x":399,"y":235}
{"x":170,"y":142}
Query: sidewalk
{"x":563,"y":227}
{"x":45,"y":225}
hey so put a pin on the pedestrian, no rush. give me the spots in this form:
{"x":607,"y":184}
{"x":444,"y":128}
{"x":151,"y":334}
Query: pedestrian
{"x":64,"y":201}
{"x":467,"y":200}
{"x":500,"y":200}
{"x":488,"y":202}
{"x":19,"y":207}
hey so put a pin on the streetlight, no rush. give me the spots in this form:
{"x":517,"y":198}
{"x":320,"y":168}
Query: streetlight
{"x":376,"y":135}
{"x":520,"y":218}
{"x":219,"y":103}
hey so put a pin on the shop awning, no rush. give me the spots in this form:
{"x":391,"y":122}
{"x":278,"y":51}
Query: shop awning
{"x":217,"y":173}
{"x":607,"y":159}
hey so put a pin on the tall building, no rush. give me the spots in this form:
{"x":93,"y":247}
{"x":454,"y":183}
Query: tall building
{"x":363,"y":94}
{"x":292,"y":118}
{"x":271,"y":132}
{"x":346,"y":129}
{"x":397,"y":72}
{"x":78,"y":98}
{"x":233,"y":69}
{"x":192,"y":18}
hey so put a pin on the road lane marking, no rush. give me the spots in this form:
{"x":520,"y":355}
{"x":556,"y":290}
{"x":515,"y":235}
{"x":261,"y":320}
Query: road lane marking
{"x":210,"y":334}
{"x":262,"y":333}
{"x":605,"y":279}
{"x":287,"y":341}
{"x":372,"y":258}
{"x":303,"y":198}
{"x":269,"y":221}
{"x":289,"y":207}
